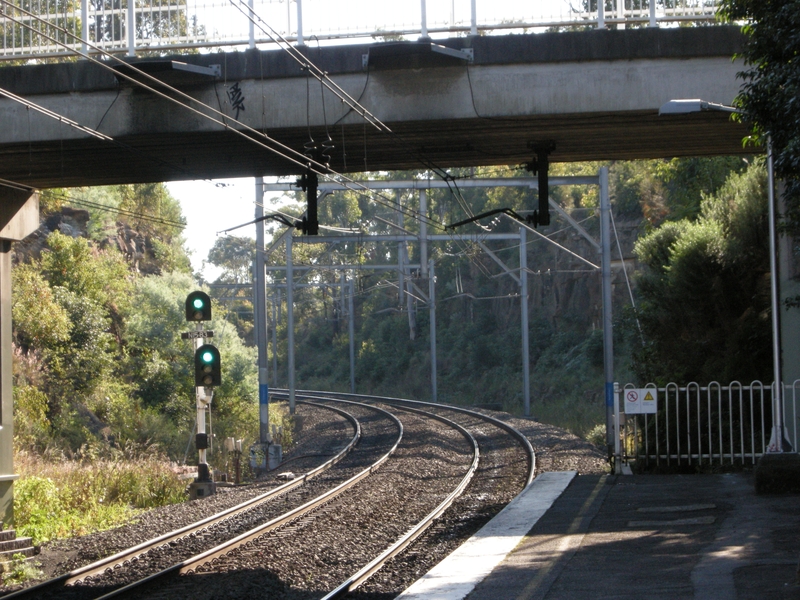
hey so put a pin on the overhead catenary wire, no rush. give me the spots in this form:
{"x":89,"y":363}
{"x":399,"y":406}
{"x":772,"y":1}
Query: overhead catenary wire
{"x":97,"y":205}
{"x":627,"y":280}
{"x":355,"y":105}
{"x":54,"y":115}
{"x":289,"y":154}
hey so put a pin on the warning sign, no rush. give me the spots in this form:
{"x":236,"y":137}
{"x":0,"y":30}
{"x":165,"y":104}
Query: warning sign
{"x":641,"y":401}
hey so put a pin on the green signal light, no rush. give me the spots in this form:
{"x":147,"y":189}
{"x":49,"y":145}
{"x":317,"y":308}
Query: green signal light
{"x":198,"y":303}
{"x":207,"y":357}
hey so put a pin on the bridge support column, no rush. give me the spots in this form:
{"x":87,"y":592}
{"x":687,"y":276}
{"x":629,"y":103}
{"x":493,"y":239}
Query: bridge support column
{"x":19,"y":217}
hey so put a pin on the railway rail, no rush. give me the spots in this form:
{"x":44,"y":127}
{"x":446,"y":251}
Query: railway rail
{"x":451,"y":469}
{"x":68,"y":585}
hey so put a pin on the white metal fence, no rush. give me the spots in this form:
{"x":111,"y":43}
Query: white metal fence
{"x":698,"y":425}
{"x":35,"y":29}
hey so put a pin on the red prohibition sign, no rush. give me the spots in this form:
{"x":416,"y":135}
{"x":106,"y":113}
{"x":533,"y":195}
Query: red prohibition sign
{"x":632,"y":396}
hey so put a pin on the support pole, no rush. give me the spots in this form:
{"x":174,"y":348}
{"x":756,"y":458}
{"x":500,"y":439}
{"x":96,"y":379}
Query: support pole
{"x":276,"y":299}
{"x":300,"y":41}
{"x":778,"y":441}
{"x":259,"y":282}
{"x":653,"y":22}
{"x":432,"y":307}
{"x":84,"y":26}
{"x":290,"y":320}
{"x":351,"y":336}
{"x":608,"y":337}
{"x":7,"y":475}
{"x":424,"y":21}
{"x":131,"y":30}
{"x":252,"y":28}
{"x":423,"y":232}
{"x":401,"y":269}
{"x":523,"y":286}
{"x":19,"y":217}
{"x":473,"y":28}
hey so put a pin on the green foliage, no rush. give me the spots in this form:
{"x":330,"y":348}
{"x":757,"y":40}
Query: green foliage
{"x":32,"y":429}
{"x":98,"y":345}
{"x":57,"y":499}
{"x":235,"y":255}
{"x":771,"y":85}
{"x":705,"y":290}
{"x":39,"y":321}
{"x":21,"y":570}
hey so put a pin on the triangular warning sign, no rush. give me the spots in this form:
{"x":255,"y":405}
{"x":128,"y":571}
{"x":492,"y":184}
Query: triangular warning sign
{"x":648,"y":397}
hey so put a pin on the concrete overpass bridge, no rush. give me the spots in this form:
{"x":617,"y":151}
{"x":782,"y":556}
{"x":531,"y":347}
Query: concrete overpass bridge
{"x":470,"y":101}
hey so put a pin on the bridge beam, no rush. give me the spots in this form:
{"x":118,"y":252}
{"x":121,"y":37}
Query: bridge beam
{"x":595,"y":94}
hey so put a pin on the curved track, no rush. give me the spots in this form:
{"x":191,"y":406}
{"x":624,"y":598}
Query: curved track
{"x":432,"y":481}
{"x":91,"y":576}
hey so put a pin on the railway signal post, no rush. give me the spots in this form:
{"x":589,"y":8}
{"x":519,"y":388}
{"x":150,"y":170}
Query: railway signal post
{"x":207,"y":374}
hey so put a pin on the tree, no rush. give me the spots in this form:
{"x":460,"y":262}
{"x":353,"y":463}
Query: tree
{"x":235,"y":256}
{"x":769,"y":96}
{"x":704,"y":292}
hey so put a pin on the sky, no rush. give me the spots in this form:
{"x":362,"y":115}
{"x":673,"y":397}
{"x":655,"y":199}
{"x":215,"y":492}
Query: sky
{"x":211,"y":206}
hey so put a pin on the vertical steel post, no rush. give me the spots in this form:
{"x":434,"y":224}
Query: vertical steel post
{"x":85,"y":26}
{"x":251,"y":26}
{"x":523,"y":285}
{"x":608,"y":338}
{"x":653,"y":22}
{"x":131,"y":29}
{"x":275,"y":303}
{"x":200,"y":405}
{"x":778,"y":442}
{"x":401,"y":269}
{"x":423,"y":34}
{"x":473,"y":28}
{"x":352,"y":336}
{"x":432,"y":307}
{"x":423,"y":232}
{"x":259,"y":283}
{"x":7,"y":476}
{"x":601,"y":14}
{"x":299,"y":27}
{"x":290,"y":320}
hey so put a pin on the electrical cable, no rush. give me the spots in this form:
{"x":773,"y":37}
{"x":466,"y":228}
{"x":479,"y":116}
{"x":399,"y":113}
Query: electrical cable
{"x":627,"y":281}
{"x":53,"y":115}
{"x":93,"y":132}
{"x":325,"y":80}
{"x":282,"y":150}
{"x":96,"y":205}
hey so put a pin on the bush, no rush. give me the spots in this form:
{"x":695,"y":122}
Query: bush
{"x":58,"y":499}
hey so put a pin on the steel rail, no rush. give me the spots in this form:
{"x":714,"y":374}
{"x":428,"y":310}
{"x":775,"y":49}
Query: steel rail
{"x":129,"y":554}
{"x":521,"y":438}
{"x":195,"y":562}
{"x":401,"y":544}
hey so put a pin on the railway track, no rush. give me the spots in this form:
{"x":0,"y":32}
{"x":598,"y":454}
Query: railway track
{"x":107,"y":573}
{"x":442,"y":462}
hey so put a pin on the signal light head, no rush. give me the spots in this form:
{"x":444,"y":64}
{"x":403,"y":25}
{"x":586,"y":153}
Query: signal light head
{"x":207,"y":369}
{"x":198,"y":307}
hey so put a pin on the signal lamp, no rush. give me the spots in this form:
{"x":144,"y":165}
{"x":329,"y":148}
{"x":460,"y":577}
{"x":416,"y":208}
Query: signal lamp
{"x":207,"y":372}
{"x":198,"y":307}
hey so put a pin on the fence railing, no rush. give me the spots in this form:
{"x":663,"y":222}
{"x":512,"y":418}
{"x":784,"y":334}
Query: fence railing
{"x":35,"y":29}
{"x":696,"y":425}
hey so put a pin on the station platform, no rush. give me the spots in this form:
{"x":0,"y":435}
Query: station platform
{"x":567,"y":536}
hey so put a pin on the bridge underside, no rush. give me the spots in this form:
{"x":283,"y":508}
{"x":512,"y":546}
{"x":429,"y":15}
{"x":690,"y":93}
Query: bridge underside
{"x":594,"y":94}
{"x":412,"y":145}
